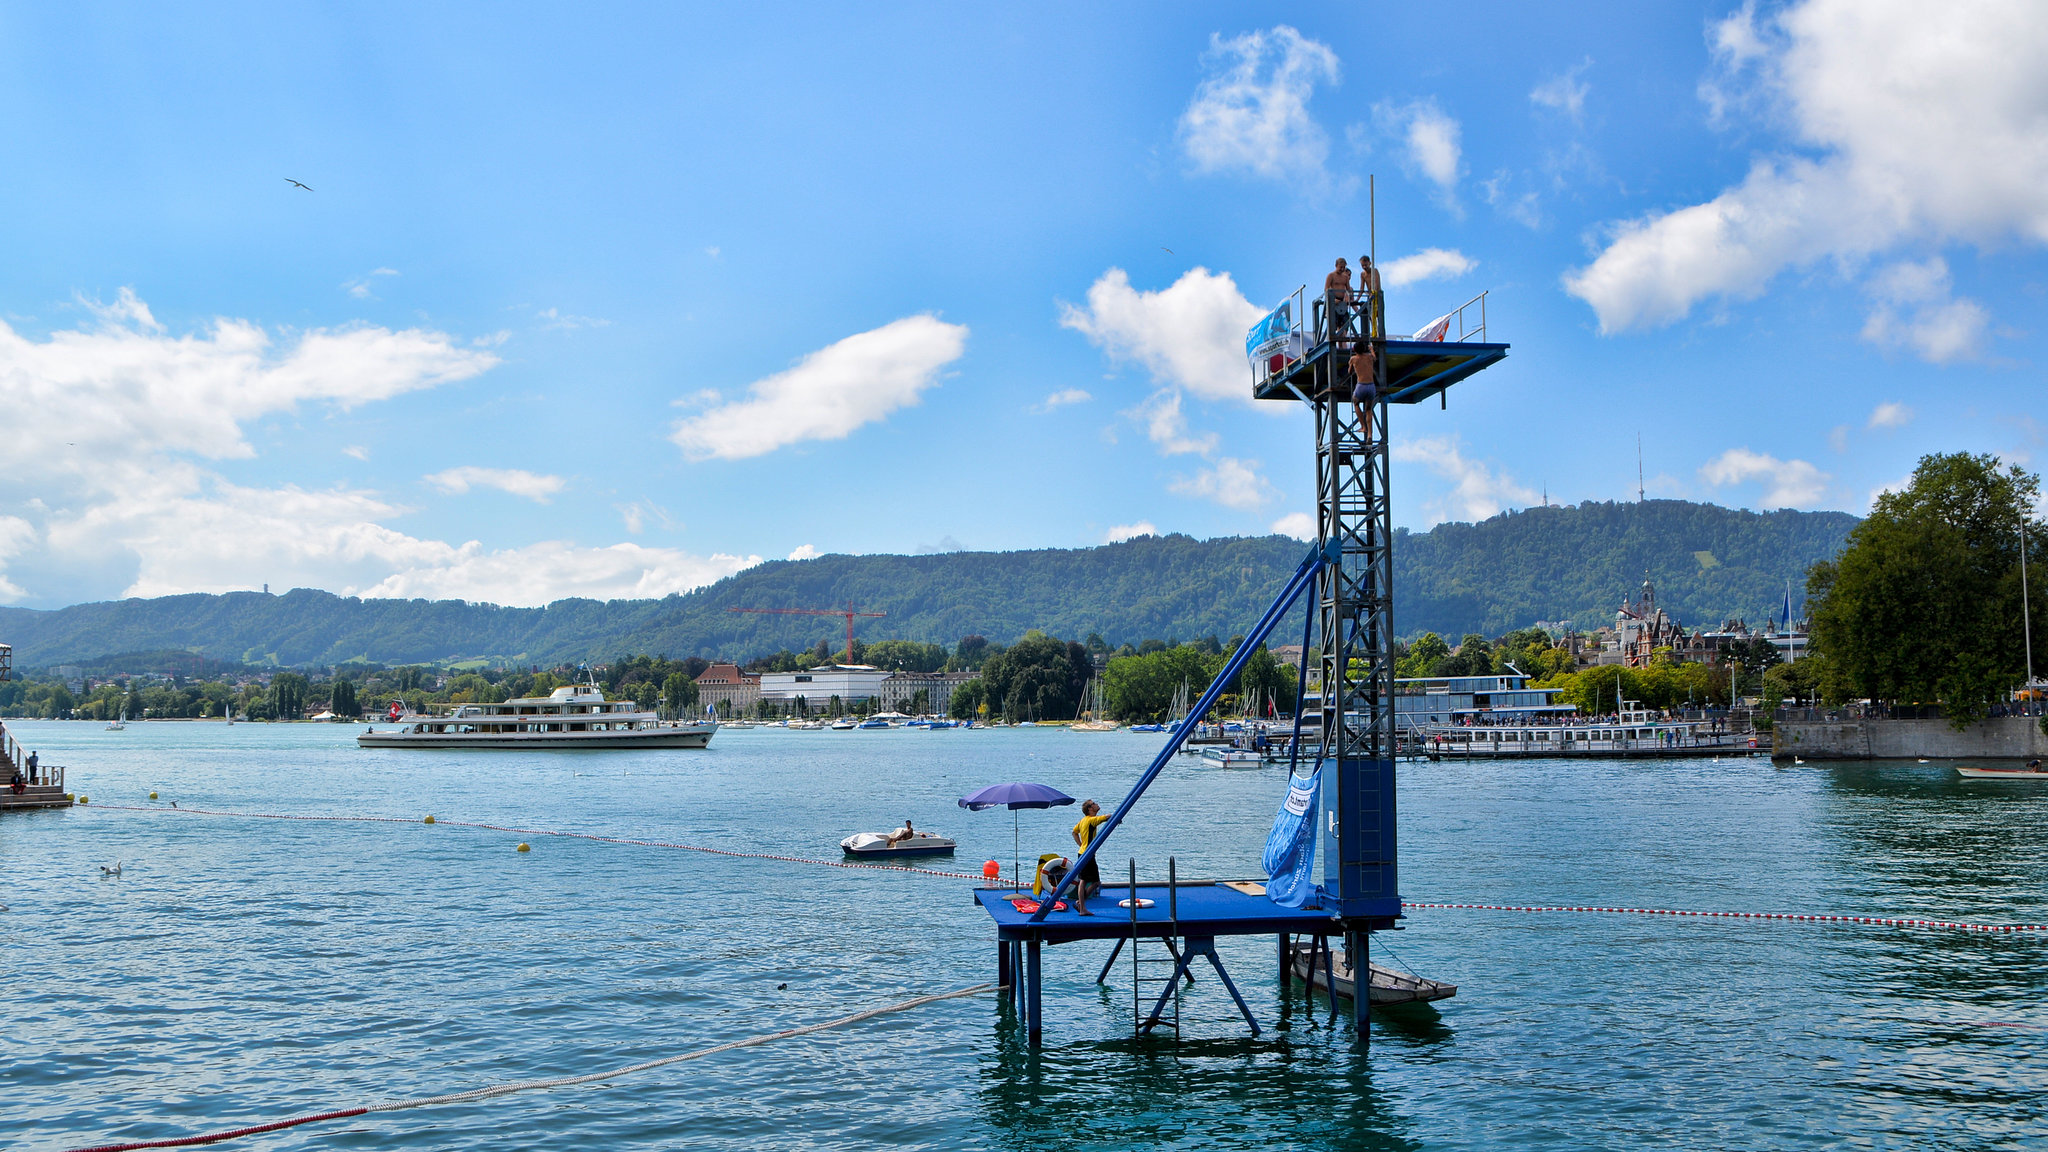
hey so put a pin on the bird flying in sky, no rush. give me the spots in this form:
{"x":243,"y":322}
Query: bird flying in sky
{"x":296,"y":184}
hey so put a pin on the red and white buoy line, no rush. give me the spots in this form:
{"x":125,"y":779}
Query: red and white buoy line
{"x":1811,"y":918}
{"x":854,"y":865}
{"x":1881,"y":921}
{"x":530,"y":1085}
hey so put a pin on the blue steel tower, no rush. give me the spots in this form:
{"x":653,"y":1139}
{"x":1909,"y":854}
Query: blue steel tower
{"x":1305,"y":355}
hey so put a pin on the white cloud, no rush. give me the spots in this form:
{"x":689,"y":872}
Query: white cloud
{"x":1062,"y":398}
{"x":1915,"y":310}
{"x":1477,"y":490}
{"x":1428,"y":264}
{"x":1838,"y":438}
{"x":1789,"y":483}
{"x":1565,"y":92}
{"x":1300,"y":525}
{"x":1891,"y":414}
{"x":1168,"y":428}
{"x":356,"y":451}
{"x":830,"y":392}
{"x":804,"y":552}
{"x":360,"y":287}
{"x":1251,"y":114}
{"x":1431,"y":139}
{"x":1123,"y":532}
{"x":554,"y":569}
{"x":556,"y":318}
{"x":124,"y":389}
{"x":1916,"y":130}
{"x":1189,"y":335}
{"x":517,"y":481}
{"x":1230,"y":482}
{"x":119,"y":415}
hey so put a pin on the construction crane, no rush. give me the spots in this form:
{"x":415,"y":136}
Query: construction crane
{"x":849,"y":612}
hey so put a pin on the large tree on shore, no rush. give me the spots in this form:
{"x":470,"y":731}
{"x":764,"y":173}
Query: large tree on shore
{"x":1923,"y":605}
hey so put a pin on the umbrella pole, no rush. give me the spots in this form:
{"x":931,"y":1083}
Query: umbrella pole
{"x":1016,"y":852}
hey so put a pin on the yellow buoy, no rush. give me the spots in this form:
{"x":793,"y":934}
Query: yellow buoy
{"x":152,"y":795}
{"x":525,"y":847}
{"x":85,"y":799}
{"x":430,"y":820}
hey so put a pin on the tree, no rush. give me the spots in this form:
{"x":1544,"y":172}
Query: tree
{"x":967,"y":699}
{"x":1264,"y":678}
{"x":288,"y":695}
{"x":1423,"y":655}
{"x":1038,"y":678}
{"x":1923,"y":605}
{"x":678,"y":692}
{"x":1143,"y":687}
{"x":342,"y":699}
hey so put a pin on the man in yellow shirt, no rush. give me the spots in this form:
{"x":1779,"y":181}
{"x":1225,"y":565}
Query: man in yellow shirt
{"x":1090,"y":880}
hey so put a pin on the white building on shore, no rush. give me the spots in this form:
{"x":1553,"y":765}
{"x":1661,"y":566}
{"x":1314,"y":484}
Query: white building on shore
{"x":817,"y":686}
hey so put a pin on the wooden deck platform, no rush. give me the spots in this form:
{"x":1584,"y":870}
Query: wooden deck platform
{"x":35,"y":796}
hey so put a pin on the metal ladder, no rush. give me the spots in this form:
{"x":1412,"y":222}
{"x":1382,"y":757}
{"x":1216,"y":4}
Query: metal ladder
{"x":1143,"y":1020}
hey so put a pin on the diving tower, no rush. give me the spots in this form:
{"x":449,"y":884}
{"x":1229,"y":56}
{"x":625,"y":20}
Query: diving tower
{"x":1302,"y":352}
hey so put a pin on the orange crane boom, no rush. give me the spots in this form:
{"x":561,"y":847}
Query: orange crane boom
{"x":849,"y":612}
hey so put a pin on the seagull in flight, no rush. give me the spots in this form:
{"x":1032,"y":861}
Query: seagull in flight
{"x":1165,"y":249}
{"x":296,"y":184}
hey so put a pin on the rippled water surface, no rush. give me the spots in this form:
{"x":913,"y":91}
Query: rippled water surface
{"x":242,"y":970}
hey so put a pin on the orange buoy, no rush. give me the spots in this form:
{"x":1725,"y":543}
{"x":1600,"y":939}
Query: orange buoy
{"x":991,"y":871}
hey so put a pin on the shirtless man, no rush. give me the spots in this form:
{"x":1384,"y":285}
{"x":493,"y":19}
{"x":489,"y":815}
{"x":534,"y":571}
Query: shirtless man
{"x":1337,"y":295}
{"x":901,"y":834}
{"x":1365,"y":393}
{"x":1368,"y":291}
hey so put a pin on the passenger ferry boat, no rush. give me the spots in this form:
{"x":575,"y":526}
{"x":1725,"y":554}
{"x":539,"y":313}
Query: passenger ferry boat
{"x":1634,"y":732}
{"x":576,"y":716}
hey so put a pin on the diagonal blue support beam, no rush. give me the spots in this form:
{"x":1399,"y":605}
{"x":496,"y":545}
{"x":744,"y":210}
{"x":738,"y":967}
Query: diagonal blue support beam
{"x":1303,"y":577}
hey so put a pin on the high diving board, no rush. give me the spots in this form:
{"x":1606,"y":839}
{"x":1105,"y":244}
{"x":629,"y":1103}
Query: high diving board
{"x":1415,"y":370}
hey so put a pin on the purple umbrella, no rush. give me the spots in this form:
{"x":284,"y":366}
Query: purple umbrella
{"x":1013,"y":797}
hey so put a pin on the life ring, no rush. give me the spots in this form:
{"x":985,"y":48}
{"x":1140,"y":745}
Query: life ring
{"x":1752,"y":741}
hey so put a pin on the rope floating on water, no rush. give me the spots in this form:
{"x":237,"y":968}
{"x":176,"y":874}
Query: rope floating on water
{"x":1882,"y":921}
{"x":851,"y":865}
{"x":530,"y":1085}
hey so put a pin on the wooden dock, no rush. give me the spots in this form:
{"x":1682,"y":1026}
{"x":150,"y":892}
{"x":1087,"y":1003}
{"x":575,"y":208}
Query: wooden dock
{"x":44,"y":789}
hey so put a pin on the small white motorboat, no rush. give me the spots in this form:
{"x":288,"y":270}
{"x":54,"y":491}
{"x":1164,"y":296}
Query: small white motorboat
{"x":2031,"y":771}
{"x":1232,"y":757}
{"x":873,"y":844}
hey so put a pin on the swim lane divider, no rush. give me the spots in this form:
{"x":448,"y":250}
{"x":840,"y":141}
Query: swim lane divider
{"x":1880,"y":921}
{"x":1884,"y":921}
{"x":531,"y":1085}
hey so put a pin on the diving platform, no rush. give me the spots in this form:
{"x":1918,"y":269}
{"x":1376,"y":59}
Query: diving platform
{"x":1416,"y":370}
{"x":1333,"y":355}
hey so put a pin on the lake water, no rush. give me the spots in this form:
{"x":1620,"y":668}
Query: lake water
{"x":242,"y":970}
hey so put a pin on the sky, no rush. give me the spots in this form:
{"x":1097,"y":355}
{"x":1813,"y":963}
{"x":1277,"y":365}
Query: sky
{"x":616,"y":301}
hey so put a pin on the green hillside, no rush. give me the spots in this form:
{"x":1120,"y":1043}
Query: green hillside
{"x":1539,"y":564}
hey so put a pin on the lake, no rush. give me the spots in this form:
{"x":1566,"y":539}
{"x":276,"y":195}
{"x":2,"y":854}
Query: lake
{"x":241,"y":970}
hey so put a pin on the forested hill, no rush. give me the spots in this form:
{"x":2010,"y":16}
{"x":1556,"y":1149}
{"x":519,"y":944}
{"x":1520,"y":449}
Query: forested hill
{"x":1539,"y":564}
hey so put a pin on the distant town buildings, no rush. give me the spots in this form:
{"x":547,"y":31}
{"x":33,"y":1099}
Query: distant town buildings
{"x":1642,"y":630}
{"x":817,"y":686}
{"x":728,"y":688}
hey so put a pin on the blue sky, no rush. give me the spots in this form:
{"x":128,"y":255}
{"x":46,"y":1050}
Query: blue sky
{"x":614,"y":301}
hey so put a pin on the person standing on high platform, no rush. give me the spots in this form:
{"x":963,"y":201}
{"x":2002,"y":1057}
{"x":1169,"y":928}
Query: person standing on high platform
{"x":1337,"y":296}
{"x":1365,"y":392}
{"x":1368,"y":297}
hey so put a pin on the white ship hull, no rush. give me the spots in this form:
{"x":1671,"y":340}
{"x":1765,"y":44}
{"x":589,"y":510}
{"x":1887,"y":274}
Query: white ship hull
{"x":677,"y":736}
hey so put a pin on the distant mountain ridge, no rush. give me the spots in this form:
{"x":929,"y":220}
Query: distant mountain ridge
{"x":1556,"y":563}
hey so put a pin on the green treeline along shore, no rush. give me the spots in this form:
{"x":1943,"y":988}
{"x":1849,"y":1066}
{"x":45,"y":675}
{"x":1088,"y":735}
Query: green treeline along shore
{"x":1511,"y":571}
{"x":1922,"y":606}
